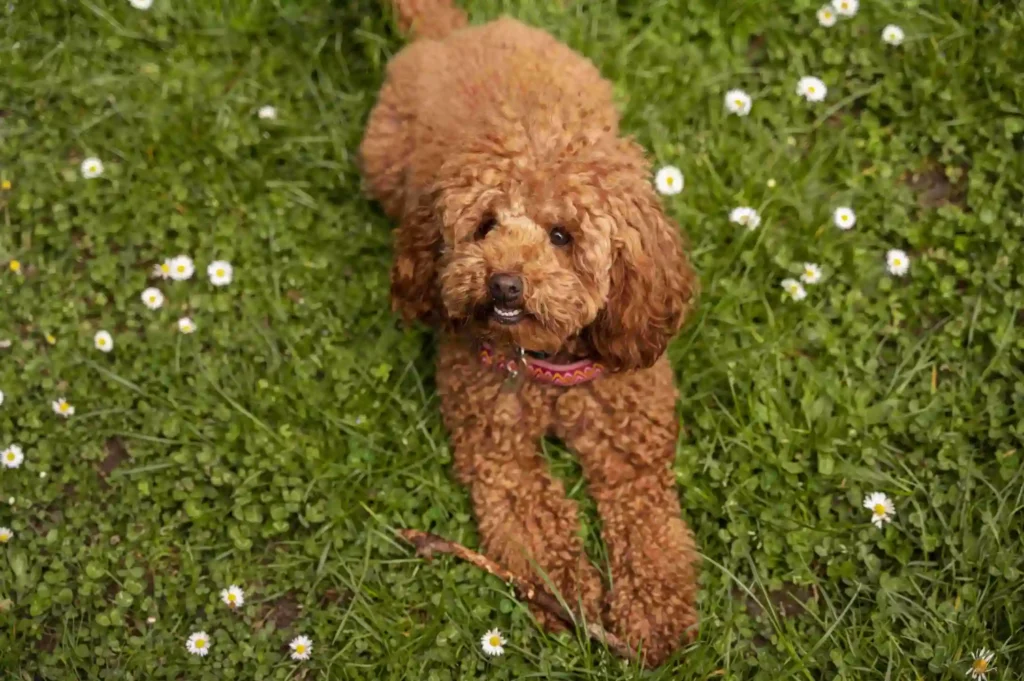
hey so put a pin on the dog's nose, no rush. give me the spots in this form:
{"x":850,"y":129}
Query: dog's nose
{"x":505,"y":288}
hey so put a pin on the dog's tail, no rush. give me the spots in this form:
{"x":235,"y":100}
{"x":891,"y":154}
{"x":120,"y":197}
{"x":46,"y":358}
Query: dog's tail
{"x":432,"y":19}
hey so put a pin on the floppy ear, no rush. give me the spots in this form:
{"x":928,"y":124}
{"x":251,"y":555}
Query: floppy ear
{"x":417,"y":245}
{"x":652,"y":286}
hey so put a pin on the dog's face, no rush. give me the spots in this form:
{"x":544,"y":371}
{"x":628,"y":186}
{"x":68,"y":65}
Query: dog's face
{"x":572,"y":255}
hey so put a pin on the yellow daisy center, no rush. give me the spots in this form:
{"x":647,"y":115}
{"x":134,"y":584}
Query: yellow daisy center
{"x":494,"y":641}
{"x":739,"y":102}
{"x":670,"y":180}
{"x":827,"y":14}
{"x":15,"y":266}
{"x":810,"y":88}
{"x":101,"y":341}
{"x":63,"y":406}
{"x":181,"y":268}
{"x":5,"y":185}
{"x":220,"y":273}
{"x":879,"y":509}
{"x":232,"y":597}
{"x":200,"y":643}
{"x":4,"y":536}
{"x":980,"y":665}
{"x":50,"y":338}
{"x":300,"y":648}
{"x":845,"y":5}
{"x":152,"y":299}
{"x":809,"y":273}
{"x":164,"y":268}
{"x":896,"y":262}
{"x":10,"y":456}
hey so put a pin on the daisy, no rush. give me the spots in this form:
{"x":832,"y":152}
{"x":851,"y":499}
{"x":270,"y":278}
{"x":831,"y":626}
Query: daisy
{"x":1,"y":397}
{"x":62,"y":407}
{"x":12,"y":456}
{"x":267,"y":113}
{"x":141,"y":4}
{"x":198,"y":644}
{"x":980,"y":667}
{"x":812,"y":89}
{"x":892,"y":35}
{"x":301,"y":647}
{"x":881,"y":507}
{"x":162,"y":270}
{"x":92,"y":167}
{"x":186,"y":325}
{"x":220,"y":272}
{"x":746,"y":216}
{"x":738,"y":102}
{"x":182,"y":268}
{"x":493,"y":643}
{"x":794,"y":289}
{"x":846,"y":7}
{"x":232,"y":596}
{"x":6,"y":535}
{"x":844,"y":218}
{"x":811,"y":274}
{"x":152,"y":298}
{"x":103,"y":341}
{"x":827,"y":16}
{"x":15,"y":266}
{"x":898,"y":262}
{"x":669,"y":180}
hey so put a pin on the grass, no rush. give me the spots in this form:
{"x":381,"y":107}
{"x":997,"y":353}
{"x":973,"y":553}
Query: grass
{"x":280,"y":445}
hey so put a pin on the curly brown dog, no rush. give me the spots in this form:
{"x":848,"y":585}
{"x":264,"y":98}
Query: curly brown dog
{"x":529,"y":233}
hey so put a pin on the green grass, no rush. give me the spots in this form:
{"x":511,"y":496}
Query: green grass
{"x":281,"y":445}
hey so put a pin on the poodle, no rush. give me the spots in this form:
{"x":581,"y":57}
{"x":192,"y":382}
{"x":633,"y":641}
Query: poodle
{"x":529,"y":233}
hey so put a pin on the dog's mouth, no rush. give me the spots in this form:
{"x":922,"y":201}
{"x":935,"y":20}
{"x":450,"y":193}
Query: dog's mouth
{"x":507,"y":315}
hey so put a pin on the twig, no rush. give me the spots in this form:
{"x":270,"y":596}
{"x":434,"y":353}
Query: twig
{"x":427,"y":545}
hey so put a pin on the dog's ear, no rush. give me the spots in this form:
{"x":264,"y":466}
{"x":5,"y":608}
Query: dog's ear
{"x":417,"y":246}
{"x":652,"y":286}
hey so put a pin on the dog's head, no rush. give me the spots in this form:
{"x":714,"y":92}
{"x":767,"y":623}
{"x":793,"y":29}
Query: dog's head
{"x":563,"y":250}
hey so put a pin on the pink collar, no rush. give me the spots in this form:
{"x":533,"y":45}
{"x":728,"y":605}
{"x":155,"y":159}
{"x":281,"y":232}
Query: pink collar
{"x":543,"y":371}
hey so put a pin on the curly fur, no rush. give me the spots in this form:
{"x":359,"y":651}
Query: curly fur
{"x":503,"y":124}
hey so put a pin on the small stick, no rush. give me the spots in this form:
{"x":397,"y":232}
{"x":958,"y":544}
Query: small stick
{"x":427,"y":544}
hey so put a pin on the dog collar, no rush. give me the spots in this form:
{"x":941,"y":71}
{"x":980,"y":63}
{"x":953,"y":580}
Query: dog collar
{"x":541,"y":370}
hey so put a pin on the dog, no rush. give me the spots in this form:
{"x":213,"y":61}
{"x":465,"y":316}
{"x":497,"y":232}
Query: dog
{"x":529,"y":233}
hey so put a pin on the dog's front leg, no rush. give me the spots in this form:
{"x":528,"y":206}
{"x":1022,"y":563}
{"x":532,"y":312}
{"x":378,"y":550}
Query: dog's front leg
{"x":624,"y":430}
{"x":526,"y":522}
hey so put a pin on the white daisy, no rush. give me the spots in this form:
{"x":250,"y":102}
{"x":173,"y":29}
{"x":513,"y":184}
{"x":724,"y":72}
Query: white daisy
{"x":162,"y":270}
{"x":42,"y":475}
{"x":892,"y":35}
{"x":980,"y":666}
{"x":92,"y":167}
{"x":12,"y":456}
{"x":62,"y":407}
{"x":1,"y":397}
{"x":811,"y":273}
{"x":186,"y":325}
{"x":827,"y":16}
{"x":11,"y":501}
{"x":151,"y":620}
{"x":738,"y":102}
{"x":182,"y":268}
{"x":232,"y":596}
{"x":746,"y":216}
{"x":493,"y":643}
{"x":141,"y":4}
{"x":152,"y":298}
{"x":844,"y":218}
{"x":897,"y":261}
{"x":220,"y":272}
{"x":881,"y":507}
{"x":301,"y":647}
{"x":103,"y":341}
{"x":669,"y":180}
{"x":198,"y":644}
{"x":6,"y":535}
{"x":794,"y":289}
{"x":846,"y":7}
{"x":267,"y":113}
{"x":812,"y":89}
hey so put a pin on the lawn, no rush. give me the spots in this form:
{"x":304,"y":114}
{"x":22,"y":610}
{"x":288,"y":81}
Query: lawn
{"x":280,"y":444}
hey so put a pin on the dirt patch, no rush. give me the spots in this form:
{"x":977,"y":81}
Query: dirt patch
{"x":117,"y":454}
{"x":785,"y":602}
{"x":282,"y":612}
{"x":937,"y":186}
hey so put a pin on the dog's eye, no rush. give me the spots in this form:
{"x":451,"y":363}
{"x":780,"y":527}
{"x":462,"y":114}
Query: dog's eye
{"x":560,"y":237}
{"x":485,"y":227}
